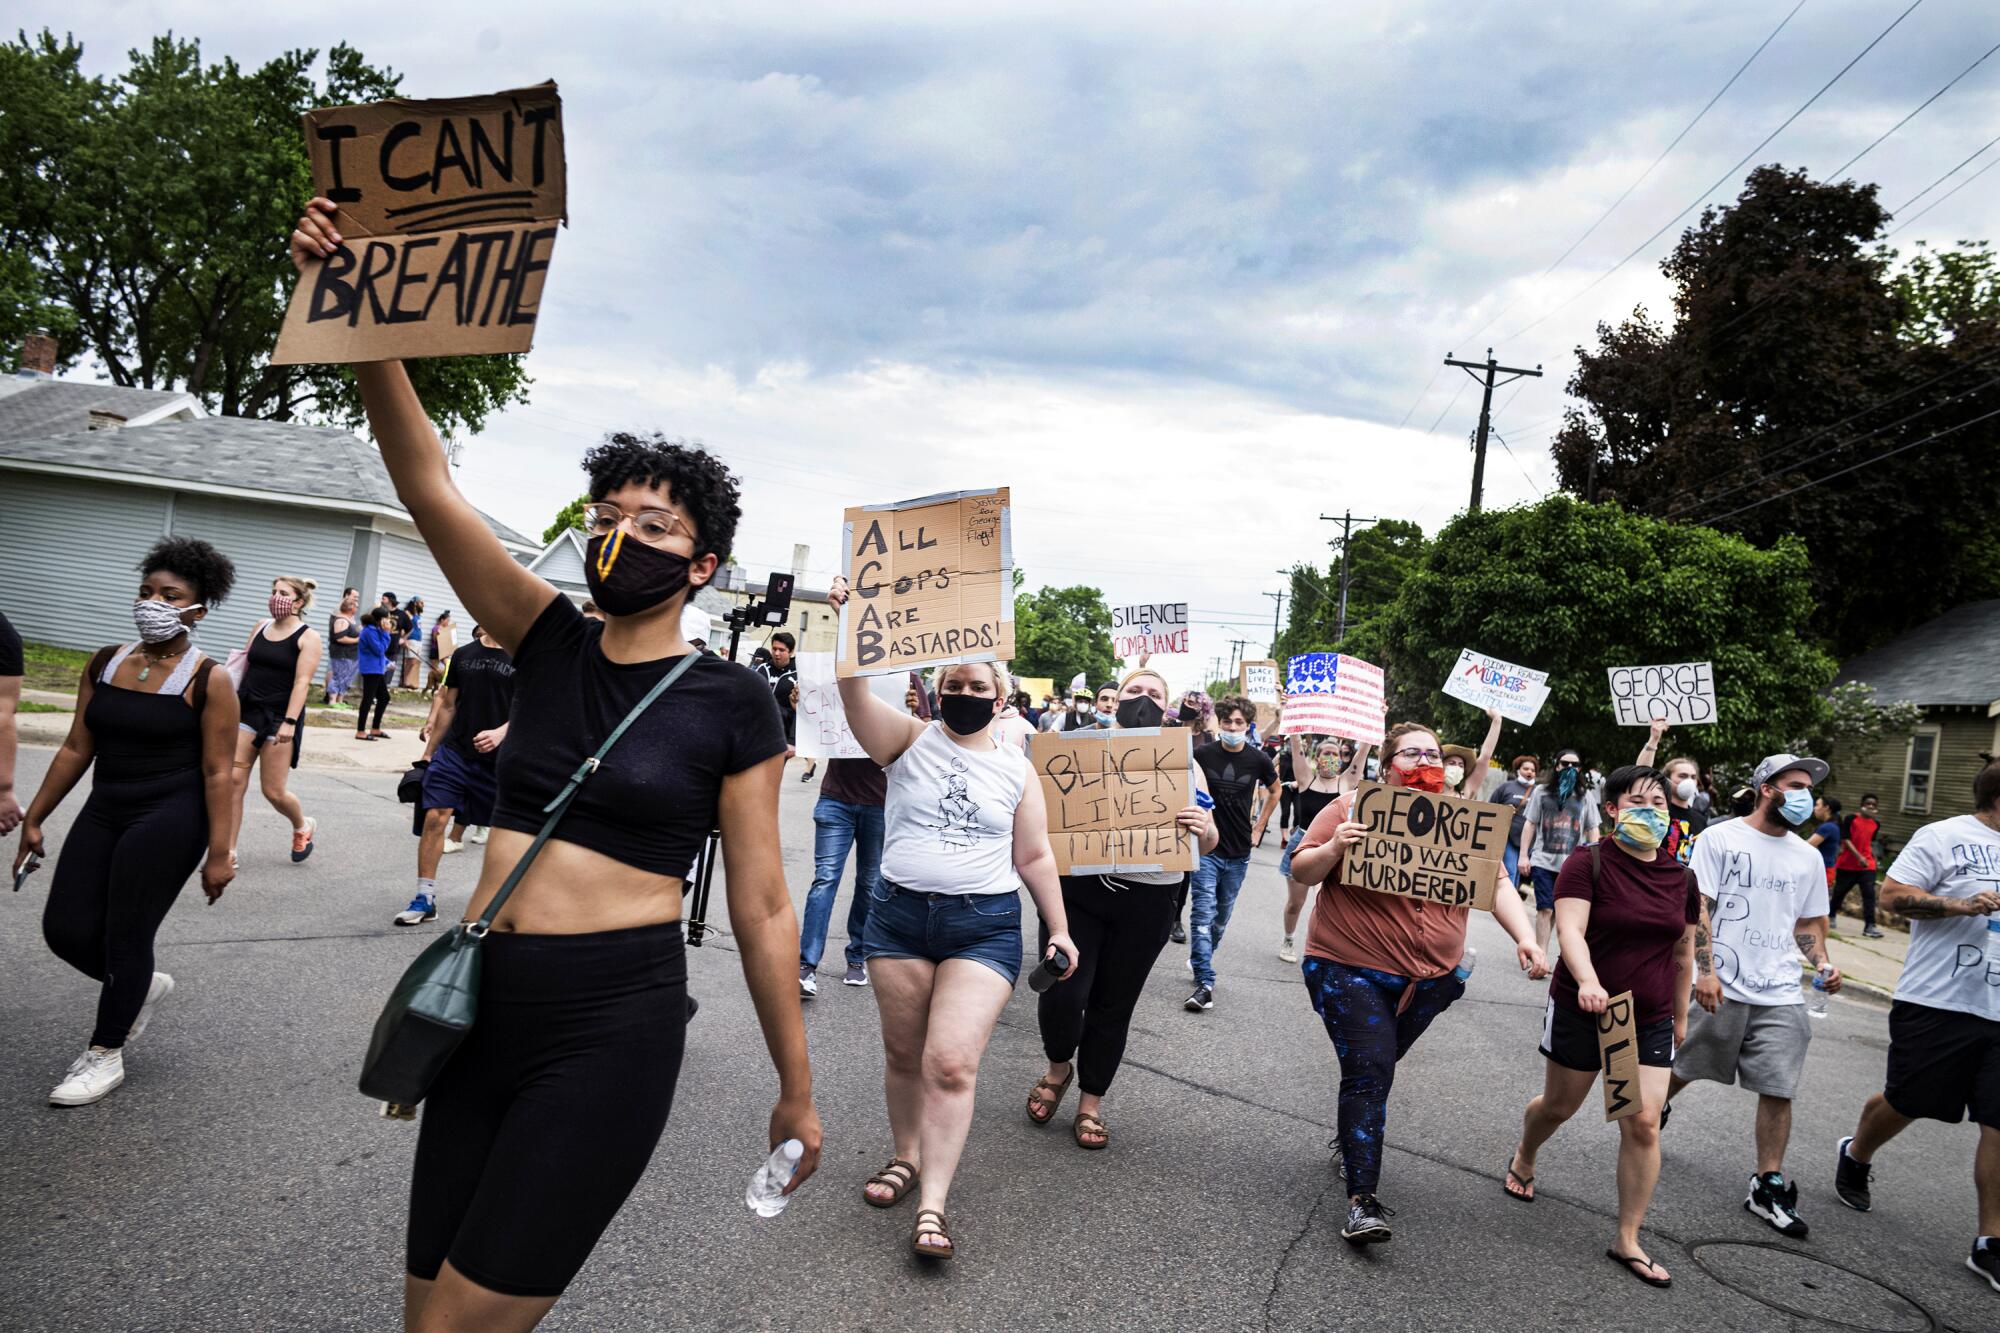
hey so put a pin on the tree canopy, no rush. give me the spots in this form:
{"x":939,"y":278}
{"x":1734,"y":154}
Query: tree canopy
{"x":144,"y":219}
{"x":570,"y":516}
{"x":1061,"y":631}
{"x":1379,"y":559}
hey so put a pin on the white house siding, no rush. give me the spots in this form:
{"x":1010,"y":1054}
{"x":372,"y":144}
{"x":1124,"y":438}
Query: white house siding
{"x":68,"y":547}
{"x":405,"y":568}
{"x":266,"y":540}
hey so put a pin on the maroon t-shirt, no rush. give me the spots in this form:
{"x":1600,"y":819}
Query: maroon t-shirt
{"x":1638,"y":912}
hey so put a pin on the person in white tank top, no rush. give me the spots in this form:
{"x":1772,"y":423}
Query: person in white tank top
{"x":964,"y":827}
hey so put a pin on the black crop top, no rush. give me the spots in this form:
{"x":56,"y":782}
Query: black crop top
{"x":652,"y":801}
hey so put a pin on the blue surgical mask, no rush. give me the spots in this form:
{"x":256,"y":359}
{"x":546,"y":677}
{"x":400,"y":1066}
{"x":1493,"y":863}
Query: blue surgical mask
{"x":1797,"y":807}
{"x":1105,"y":719}
{"x":1644,"y":827}
{"x":1235,"y":740}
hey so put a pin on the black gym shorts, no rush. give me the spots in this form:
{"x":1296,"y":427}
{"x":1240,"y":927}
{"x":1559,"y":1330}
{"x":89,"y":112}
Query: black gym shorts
{"x":1943,"y":1062}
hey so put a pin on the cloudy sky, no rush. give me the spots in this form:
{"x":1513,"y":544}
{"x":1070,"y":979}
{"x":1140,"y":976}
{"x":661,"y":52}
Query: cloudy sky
{"x":1180,"y":275}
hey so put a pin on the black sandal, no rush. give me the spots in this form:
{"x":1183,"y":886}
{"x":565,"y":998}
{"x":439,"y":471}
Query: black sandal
{"x":898,"y":1176}
{"x":1527,"y":1183}
{"x":1633,"y":1263}
{"x":918,"y":1235}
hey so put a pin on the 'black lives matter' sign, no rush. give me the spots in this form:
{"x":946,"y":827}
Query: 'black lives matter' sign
{"x":448,"y":215}
{"x":1429,"y":846}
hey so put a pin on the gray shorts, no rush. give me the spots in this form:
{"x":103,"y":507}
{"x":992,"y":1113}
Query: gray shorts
{"x":1763,"y":1046}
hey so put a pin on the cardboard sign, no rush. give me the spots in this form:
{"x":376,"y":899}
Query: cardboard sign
{"x":932,"y":582}
{"x":1332,"y":694}
{"x":1487,"y":682}
{"x":448,"y":214}
{"x":1618,"y":1056}
{"x":1437,"y":847}
{"x":1683,"y":694}
{"x":822,"y":726}
{"x":1259,"y":682}
{"x":1155,"y":627}
{"x":1037,"y":688}
{"x":1112,"y":798}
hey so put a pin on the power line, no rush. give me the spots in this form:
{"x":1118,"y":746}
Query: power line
{"x":1539,"y":492}
{"x":1947,"y":175}
{"x":1421,"y":395}
{"x":1912,"y":219}
{"x":1719,"y":182}
{"x":1447,"y":407}
{"x":1913,"y":115}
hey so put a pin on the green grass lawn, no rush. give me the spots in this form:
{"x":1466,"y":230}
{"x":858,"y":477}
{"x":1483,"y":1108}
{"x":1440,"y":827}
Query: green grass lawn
{"x":30,"y":706}
{"x":51,"y":668}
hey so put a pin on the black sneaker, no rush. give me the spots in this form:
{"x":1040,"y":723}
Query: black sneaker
{"x":1366,"y":1222}
{"x":1202,"y":999}
{"x":1850,"y":1179}
{"x":1179,"y":933}
{"x":1986,"y":1263}
{"x":1777,"y":1203}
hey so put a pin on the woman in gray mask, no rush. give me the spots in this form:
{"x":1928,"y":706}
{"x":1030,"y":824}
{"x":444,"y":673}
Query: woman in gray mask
{"x":1561,"y":816}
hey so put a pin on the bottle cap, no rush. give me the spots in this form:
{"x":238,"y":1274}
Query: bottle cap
{"x":792,"y":1149}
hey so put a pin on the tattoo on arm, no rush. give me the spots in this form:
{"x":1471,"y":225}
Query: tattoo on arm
{"x":1703,"y":960}
{"x":1808,"y":945}
{"x":1921,"y":906}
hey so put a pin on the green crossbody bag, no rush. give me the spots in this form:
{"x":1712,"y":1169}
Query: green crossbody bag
{"x":437,"y":1000}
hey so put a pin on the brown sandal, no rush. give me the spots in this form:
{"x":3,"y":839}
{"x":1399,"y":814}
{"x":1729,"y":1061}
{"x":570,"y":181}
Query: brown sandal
{"x":1086,"y":1123}
{"x":923,"y":1231}
{"x":1047,"y":1105}
{"x":899,"y":1176}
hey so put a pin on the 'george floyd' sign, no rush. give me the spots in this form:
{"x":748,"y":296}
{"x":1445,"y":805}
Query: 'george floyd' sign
{"x":448,"y":215}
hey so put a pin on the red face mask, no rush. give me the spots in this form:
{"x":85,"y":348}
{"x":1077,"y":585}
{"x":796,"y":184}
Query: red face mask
{"x":1426,"y":777}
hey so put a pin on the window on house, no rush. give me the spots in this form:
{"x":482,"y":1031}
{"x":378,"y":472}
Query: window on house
{"x":1919,"y":768}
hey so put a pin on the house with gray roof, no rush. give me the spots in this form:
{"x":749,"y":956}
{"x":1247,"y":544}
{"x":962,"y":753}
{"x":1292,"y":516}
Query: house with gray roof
{"x":92,"y":474}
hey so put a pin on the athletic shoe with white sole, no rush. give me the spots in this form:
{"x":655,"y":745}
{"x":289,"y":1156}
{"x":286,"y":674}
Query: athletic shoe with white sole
{"x":1287,"y":951}
{"x":92,"y":1078}
{"x":477,"y":833}
{"x":1986,"y":1263}
{"x":1851,"y":1179}
{"x":1201,"y":1001}
{"x":808,"y":982}
{"x":1367,"y":1222}
{"x":857,"y":975}
{"x":450,"y":846}
{"x":422,"y":908}
{"x":1777,"y":1202}
{"x":162,"y":987}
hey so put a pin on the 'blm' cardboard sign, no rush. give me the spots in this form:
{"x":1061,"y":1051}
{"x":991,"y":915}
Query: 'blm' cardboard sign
{"x":1156,"y":627}
{"x":1682,"y":694}
{"x":1112,"y":798}
{"x":1435,"y":847}
{"x":448,"y":214}
{"x":1618,"y":1056}
{"x":930,"y":582}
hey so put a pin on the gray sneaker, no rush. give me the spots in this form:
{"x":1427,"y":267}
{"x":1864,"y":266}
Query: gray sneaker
{"x":857,"y":975}
{"x":808,"y":982}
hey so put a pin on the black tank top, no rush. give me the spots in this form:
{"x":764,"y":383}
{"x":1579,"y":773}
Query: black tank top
{"x":337,"y":650}
{"x":142,"y":737}
{"x":1308,"y":804}
{"x":267,"y":679}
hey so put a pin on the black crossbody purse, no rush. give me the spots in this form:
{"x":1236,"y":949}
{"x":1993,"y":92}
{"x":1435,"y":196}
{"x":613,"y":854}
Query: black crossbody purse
{"x":437,"y":1000}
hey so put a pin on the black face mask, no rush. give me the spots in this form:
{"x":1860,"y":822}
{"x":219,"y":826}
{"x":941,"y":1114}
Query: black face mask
{"x":1139,"y":711}
{"x":966,"y":714}
{"x":626,"y":577}
{"x":1190,"y":713}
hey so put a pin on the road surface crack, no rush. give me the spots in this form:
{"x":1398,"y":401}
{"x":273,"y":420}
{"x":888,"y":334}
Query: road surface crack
{"x":1285,"y":1259}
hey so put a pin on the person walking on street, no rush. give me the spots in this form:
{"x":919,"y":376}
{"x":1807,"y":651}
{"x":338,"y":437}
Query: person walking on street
{"x":156,"y":727}
{"x":1516,"y":791}
{"x":13,"y":666}
{"x":440,"y":644}
{"x":1685,"y":818}
{"x":461,"y":758}
{"x":1944,"y":1022}
{"x":1120,"y":922}
{"x":283,"y":659}
{"x":1626,"y":916}
{"x":1561,"y":817}
{"x":1855,"y":867}
{"x":1324,"y":779}
{"x":375,"y":646}
{"x":343,"y":638}
{"x":1237,"y":772}
{"x":412,"y":625}
{"x":1766,"y":894}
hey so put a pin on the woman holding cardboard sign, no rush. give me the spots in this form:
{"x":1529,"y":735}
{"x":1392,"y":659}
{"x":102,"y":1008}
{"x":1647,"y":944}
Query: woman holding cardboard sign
{"x":1380,"y":968}
{"x":1125,"y":920}
{"x":1626,"y":921}
{"x":547,"y":1113}
{"x":964,"y":826}
{"x":1326,"y":781}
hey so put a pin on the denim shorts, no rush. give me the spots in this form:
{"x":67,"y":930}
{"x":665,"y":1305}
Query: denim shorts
{"x":1285,"y":859}
{"x":985,"y":927}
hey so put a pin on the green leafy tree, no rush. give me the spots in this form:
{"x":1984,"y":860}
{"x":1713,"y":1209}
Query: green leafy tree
{"x":143,"y":221}
{"x":1574,"y":589}
{"x":570,"y":516}
{"x":1379,"y":559}
{"x":1061,"y":631}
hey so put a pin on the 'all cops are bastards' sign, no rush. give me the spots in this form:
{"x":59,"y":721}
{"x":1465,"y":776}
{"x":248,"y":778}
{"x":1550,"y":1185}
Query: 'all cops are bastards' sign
{"x":930,"y":582}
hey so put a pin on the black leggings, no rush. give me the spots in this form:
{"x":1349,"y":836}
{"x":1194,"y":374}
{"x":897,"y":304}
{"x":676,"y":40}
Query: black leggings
{"x":1287,"y":802}
{"x":1119,"y":932}
{"x":375,"y":690}
{"x":122,"y":864}
{"x":546,"y":1117}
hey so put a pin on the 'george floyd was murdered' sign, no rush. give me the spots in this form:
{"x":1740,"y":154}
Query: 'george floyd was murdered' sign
{"x":448,"y":214}
{"x":1618,"y":1055}
{"x":1431,"y":846}
{"x":1518,"y":692}
{"x":1683,"y":694}
{"x":930,"y":582}
{"x":1113,"y":797}
{"x":1156,"y":627}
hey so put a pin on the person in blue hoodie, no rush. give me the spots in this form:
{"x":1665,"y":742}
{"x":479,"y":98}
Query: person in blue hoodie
{"x":373,"y":656}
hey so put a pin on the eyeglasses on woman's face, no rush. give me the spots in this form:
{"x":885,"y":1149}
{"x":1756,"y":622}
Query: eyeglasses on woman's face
{"x":1417,"y":756}
{"x":651,"y":526}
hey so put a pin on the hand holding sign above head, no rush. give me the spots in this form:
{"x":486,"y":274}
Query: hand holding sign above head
{"x":315,"y":237}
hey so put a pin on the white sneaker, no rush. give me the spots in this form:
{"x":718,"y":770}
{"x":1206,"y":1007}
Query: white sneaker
{"x":92,"y":1078}
{"x":1287,"y":952}
{"x":450,"y":846}
{"x":162,"y":987}
{"x":477,"y":833}
{"x":808,"y":983}
{"x":1190,"y":964}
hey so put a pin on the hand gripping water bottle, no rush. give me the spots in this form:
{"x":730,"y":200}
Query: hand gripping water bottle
{"x":1816,"y":1007}
{"x":766,"y":1196}
{"x":1465,"y":965}
{"x":1050,"y":971}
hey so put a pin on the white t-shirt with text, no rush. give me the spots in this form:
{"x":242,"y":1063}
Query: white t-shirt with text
{"x":1954,"y":961}
{"x":1760,"y":886}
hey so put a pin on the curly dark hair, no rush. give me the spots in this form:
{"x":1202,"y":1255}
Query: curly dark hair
{"x":693,"y":478}
{"x":211,"y":572}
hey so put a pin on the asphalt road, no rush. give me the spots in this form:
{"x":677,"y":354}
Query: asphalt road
{"x":238,"y":1180}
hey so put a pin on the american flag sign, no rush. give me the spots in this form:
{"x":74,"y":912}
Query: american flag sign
{"x":1332,"y":694}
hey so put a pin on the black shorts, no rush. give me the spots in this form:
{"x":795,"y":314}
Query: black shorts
{"x":1942,"y":1063}
{"x":1569,"y":1037}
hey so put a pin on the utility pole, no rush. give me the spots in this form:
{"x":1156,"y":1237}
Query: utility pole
{"x":1277,"y":606}
{"x":1347,"y":522}
{"x":1490,"y":368}
{"x":1236,"y":653}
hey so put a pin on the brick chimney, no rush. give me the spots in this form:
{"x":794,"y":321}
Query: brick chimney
{"x":38,"y":353}
{"x":100,"y":419}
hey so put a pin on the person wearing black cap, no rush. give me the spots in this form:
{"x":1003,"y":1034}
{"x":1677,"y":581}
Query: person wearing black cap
{"x":1767,"y":903}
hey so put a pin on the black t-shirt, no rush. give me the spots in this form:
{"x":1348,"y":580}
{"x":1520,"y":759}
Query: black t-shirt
{"x":11,"y":658}
{"x":1684,"y":825}
{"x":1233,"y":779}
{"x":483,"y":679}
{"x":652,"y":802}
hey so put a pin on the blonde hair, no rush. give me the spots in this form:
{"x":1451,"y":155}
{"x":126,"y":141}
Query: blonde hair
{"x":1002,"y":683}
{"x":1166,"y":690}
{"x":303,"y":587}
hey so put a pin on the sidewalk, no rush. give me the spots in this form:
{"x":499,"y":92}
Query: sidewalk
{"x":331,"y":747}
{"x":1868,"y":966}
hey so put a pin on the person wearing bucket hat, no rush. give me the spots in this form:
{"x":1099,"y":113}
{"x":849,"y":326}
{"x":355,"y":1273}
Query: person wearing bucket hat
{"x":1765,"y":891}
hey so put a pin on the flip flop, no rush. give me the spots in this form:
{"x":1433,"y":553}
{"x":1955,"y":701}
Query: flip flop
{"x":1526,"y":1183}
{"x":1633,"y":1263}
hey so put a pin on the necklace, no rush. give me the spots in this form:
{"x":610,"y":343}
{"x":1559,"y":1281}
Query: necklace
{"x":149,"y":661}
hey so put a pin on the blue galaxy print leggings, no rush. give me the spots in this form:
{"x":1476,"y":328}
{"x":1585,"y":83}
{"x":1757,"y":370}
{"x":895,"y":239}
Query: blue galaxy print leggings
{"x":1365,"y":1015}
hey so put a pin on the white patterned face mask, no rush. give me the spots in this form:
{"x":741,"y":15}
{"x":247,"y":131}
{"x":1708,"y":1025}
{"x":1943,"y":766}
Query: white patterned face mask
{"x":159,"y":621}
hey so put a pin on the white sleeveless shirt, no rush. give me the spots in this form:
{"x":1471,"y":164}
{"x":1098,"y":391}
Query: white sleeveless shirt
{"x":948,"y":816}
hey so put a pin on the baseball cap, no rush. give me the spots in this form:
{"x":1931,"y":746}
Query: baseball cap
{"x":1776,"y":764}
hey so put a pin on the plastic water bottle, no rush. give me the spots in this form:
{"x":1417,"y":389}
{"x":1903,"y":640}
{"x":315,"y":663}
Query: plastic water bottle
{"x":1049,"y":973}
{"x":1465,"y":965}
{"x":766,"y":1196}
{"x":1816,"y":1007}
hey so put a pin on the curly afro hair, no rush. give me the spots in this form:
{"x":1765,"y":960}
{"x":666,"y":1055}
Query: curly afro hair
{"x":209,"y":570}
{"x":692,"y":478}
